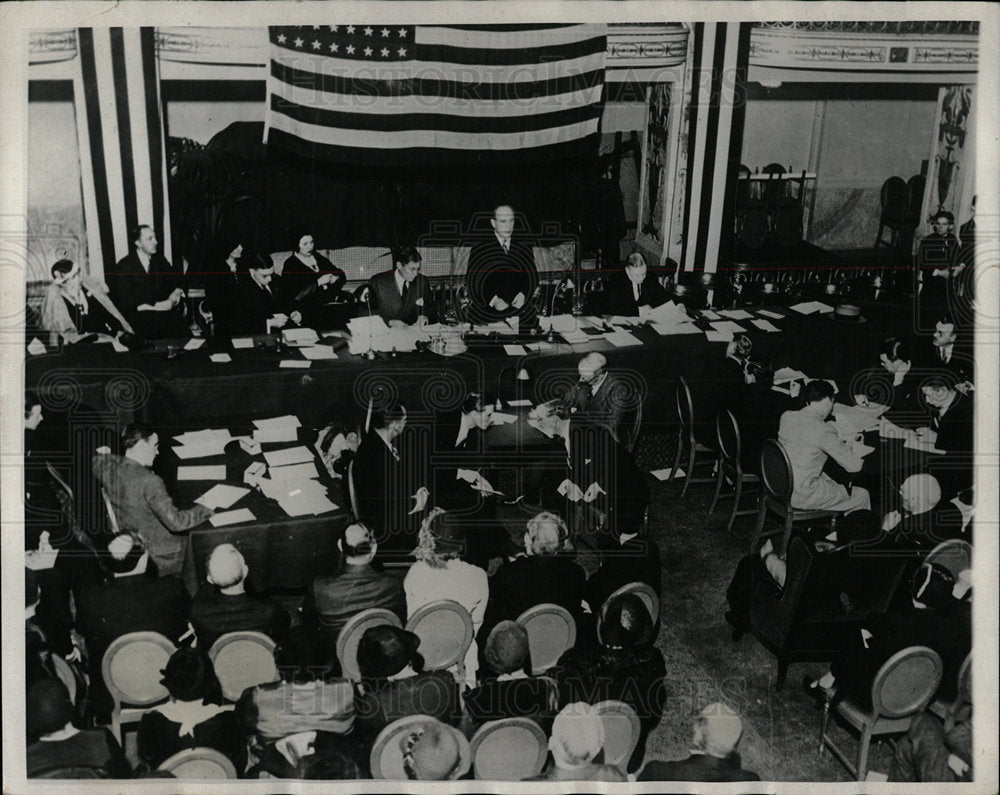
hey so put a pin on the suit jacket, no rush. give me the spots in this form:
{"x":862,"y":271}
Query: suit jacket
{"x":955,"y":430}
{"x":391,"y":305}
{"x":222,"y":293}
{"x":620,"y":298}
{"x":446,"y":458}
{"x":961,"y":363}
{"x":332,"y":600}
{"x":606,"y":407}
{"x":95,"y":748}
{"x":698,"y":767}
{"x":433,"y":693}
{"x":384,"y":487}
{"x":299,"y":288}
{"x":254,"y":305}
{"x":214,"y":613}
{"x":130,"y":285}
{"x":527,"y":697}
{"x":722,"y":386}
{"x":949,"y":633}
{"x":533,"y":580}
{"x":495,"y":272}
{"x":637,"y":560}
{"x":143,"y":506}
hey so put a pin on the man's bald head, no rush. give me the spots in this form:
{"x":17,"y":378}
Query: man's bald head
{"x":591,"y":366}
{"x":226,"y":566}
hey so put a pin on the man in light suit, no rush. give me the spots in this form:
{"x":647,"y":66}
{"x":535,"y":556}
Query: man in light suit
{"x":403,"y":295}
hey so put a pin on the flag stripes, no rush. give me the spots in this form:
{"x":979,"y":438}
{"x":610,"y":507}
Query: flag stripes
{"x":448,"y":94}
{"x":122,"y":148}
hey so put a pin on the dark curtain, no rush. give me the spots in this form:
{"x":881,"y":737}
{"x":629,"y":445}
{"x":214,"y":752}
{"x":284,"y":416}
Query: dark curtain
{"x":235,"y":187}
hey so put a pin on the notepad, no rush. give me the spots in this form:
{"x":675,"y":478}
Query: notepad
{"x":194,"y":343}
{"x":222,"y":495}
{"x":231,"y":517}
{"x":675,"y":328}
{"x":209,"y":472}
{"x":765,"y":325}
{"x":242,"y":342}
{"x":295,"y":364}
{"x":286,"y":420}
{"x":290,"y":455}
{"x":515,"y":350}
{"x":318,"y":352}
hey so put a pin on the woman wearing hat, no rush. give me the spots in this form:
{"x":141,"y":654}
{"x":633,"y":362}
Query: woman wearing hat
{"x":76,"y":306}
{"x":440,"y":573}
{"x":193,"y":717}
{"x":625,"y":666}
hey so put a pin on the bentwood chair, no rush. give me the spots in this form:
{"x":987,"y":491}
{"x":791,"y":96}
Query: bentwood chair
{"x":350,"y":637}
{"x":727,"y":431}
{"x":510,"y":749}
{"x":445,"y":631}
{"x":131,"y":669}
{"x":387,"y":756}
{"x":551,"y":631}
{"x":697,"y":452}
{"x":242,"y":660}
{"x":621,"y":731}
{"x":963,"y":692}
{"x":903,"y":686}
{"x":199,"y":763}
{"x":954,"y":554}
{"x":776,"y":497}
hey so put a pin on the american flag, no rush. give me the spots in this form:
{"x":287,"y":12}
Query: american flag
{"x":453,"y":94}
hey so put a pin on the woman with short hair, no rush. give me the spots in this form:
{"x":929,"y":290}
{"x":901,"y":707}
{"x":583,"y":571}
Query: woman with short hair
{"x":78,"y":307}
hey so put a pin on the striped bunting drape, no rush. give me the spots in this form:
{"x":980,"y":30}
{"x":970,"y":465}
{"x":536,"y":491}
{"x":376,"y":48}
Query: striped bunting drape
{"x":454,"y":95}
{"x":122,"y":148}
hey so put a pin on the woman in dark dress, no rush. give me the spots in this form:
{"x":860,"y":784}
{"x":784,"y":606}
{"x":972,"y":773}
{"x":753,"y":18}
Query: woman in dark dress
{"x":194,"y":717}
{"x":220,"y":287}
{"x":309,"y":280}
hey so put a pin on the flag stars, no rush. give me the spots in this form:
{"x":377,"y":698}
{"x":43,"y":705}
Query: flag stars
{"x":385,"y":52}
{"x":334,"y":47}
{"x":385,"y":33}
{"x":402,"y":33}
{"x":298,"y":42}
{"x":369,"y":31}
{"x":350,"y":29}
{"x":334,"y":28}
{"x":350,"y":49}
{"x":317,"y":44}
{"x":402,"y":52}
{"x":315,"y":27}
{"x":282,"y":38}
{"x":368,"y":51}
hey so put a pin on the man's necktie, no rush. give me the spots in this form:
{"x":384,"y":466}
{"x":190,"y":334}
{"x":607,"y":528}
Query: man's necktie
{"x":944,"y":356}
{"x":406,"y":288}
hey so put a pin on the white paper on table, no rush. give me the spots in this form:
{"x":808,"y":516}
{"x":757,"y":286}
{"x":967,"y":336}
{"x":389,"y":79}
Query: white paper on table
{"x":719,"y":336}
{"x":202,"y":449}
{"x":519,"y":403}
{"x":317,"y":352}
{"x":621,"y":339}
{"x":286,"y":420}
{"x":769,"y":313}
{"x":708,"y":314}
{"x":500,"y":418}
{"x":299,"y":337}
{"x":683,"y":327}
{"x":515,"y":350}
{"x":290,"y":455}
{"x":804,"y":308}
{"x":889,"y":430}
{"x":194,"y":343}
{"x":821,"y":307}
{"x":621,"y":320}
{"x":118,"y":346}
{"x":36,"y":347}
{"x":574,"y":337}
{"x":594,"y":321}
{"x":220,"y":358}
{"x":783,"y":374}
{"x":538,"y":346}
{"x":858,"y":419}
{"x":242,"y":342}
{"x":736,"y":314}
{"x":295,"y":364}
{"x":667,"y":313}
{"x":559,"y":323}
{"x":728,"y":326}
{"x":208,"y":472}
{"x":765,"y":325}
{"x":304,"y":471}
{"x":231,"y":517}
{"x":276,"y":434}
{"x":924,"y":447}
{"x":222,"y":495}
{"x":205,"y":435}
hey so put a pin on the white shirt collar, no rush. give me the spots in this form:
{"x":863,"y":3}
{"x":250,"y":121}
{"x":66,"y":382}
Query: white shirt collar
{"x":511,"y":676}
{"x":464,"y":428}
{"x":599,"y":383}
{"x":393,"y":450}
{"x":624,"y":538}
{"x":399,"y":281}
{"x":504,"y":244}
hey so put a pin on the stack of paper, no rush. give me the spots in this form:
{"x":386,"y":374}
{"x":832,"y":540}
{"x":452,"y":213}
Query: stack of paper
{"x":719,"y":336}
{"x":298,"y":498}
{"x":560,"y":323}
{"x":295,"y":364}
{"x":808,"y":307}
{"x":620,"y":339}
{"x":620,"y":320}
{"x":768,"y":313}
{"x":299,"y":337}
{"x":575,"y":337}
{"x":222,"y":495}
{"x":515,"y":350}
{"x":200,"y":444}
{"x":211,"y":472}
{"x":668,"y":314}
{"x":319,"y":352}
{"x":708,"y":314}
{"x":277,"y":429}
{"x":194,"y":343}
{"x":372,"y":334}
{"x":913,"y":443}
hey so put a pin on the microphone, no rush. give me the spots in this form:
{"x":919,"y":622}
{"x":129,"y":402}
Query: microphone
{"x":370,"y":353}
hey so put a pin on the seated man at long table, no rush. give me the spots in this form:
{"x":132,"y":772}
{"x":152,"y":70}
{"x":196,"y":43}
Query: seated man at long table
{"x":403,"y":295}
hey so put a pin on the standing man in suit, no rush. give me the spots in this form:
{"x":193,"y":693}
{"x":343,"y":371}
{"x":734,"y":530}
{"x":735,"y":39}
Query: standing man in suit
{"x":147,"y":289}
{"x":713,"y":757}
{"x":390,"y":498}
{"x":501,"y":276}
{"x":936,"y":257}
{"x":631,"y":292}
{"x":403,"y":295}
